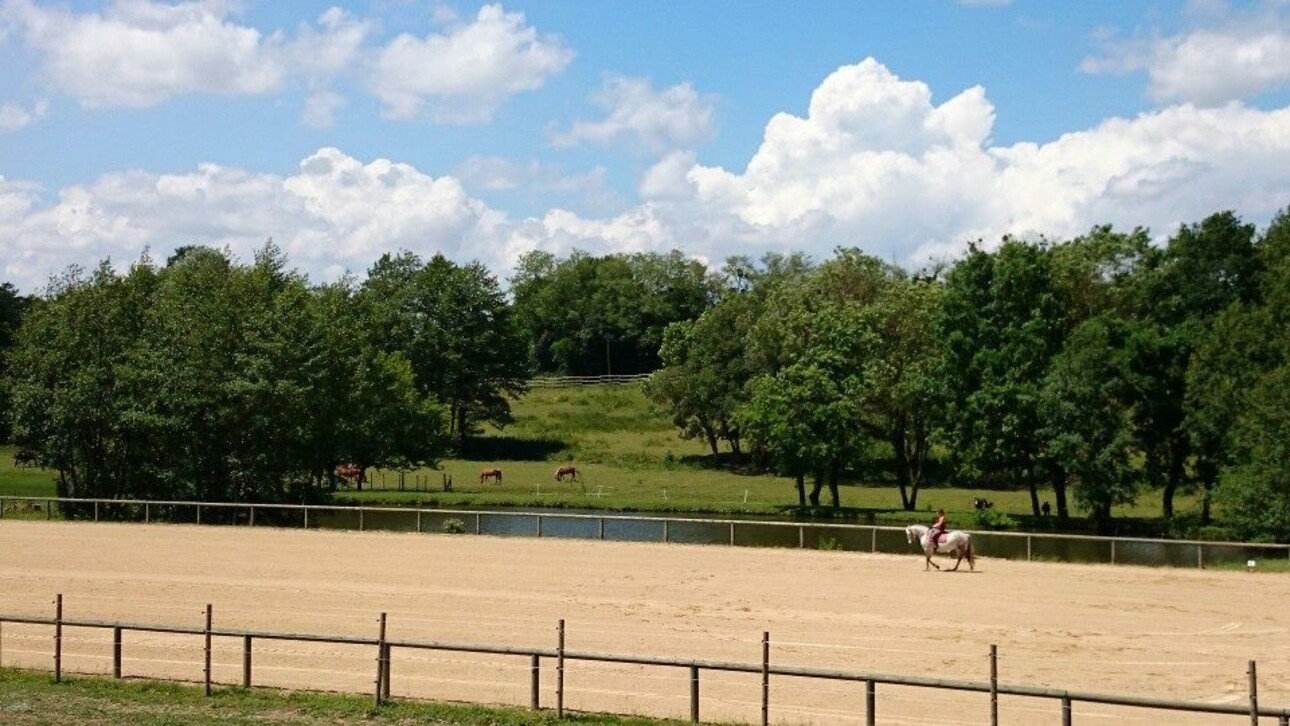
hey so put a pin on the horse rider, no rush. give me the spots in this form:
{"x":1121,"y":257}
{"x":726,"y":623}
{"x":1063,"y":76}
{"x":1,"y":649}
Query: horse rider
{"x":938,"y":528}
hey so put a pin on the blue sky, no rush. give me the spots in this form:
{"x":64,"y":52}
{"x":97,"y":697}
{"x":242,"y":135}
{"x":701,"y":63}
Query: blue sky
{"x":344,"y":130}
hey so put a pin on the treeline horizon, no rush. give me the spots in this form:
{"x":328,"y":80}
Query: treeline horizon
{"x":1103,"y":366}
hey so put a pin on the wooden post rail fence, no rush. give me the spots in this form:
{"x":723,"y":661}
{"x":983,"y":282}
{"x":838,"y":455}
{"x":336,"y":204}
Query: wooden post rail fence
{"x":1190,"y":553}
{"x":385,"y":648}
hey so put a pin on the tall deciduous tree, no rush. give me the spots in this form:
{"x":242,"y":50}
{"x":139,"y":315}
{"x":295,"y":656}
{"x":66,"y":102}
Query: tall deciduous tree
{"x":1002,"y":324}
{"x":455,"y":327}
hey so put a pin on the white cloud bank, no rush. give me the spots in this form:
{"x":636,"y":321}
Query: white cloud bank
{"x":1231,"y":56}
{"x":875,"y":162}
{"x":139,"y":53}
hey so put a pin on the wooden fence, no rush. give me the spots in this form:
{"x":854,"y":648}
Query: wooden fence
{"x":560,"y":656}
{"x":853,"y":537}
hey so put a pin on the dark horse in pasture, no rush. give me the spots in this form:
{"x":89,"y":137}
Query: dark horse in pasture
{"x":492,"y":473}
{"x":570,"y":471}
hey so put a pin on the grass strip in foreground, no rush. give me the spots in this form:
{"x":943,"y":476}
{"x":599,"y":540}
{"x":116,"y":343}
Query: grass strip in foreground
{"x":31,"y":697}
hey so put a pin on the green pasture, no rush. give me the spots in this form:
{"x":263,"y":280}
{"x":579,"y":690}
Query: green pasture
{"x":28,"y":698}
{"x":629,"y":457}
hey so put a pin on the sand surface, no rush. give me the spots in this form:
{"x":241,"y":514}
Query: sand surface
{"x":1183,"y":634}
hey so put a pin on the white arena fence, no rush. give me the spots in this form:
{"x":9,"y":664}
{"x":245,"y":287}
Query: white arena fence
{"x":570,"y":381}
{"x":1027,"y":546}
{"x":558,"y":658}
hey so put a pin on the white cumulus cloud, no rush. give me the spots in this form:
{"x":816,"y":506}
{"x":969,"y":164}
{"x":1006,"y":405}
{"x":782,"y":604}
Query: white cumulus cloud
{"x":467,"y":72}
{"x":675,"y":117}
{"x":1231,"y":56}
{"x":877,"y":161}
{"x":140,"y":53}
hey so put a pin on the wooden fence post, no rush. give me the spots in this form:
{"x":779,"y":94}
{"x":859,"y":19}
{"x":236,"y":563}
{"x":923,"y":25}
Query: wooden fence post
{"x":116,"y":651}
{"x":994,"y":685}
{"x":246,"y":661}
{"x":206,"y":668}
{"x":58,"y":638}
{"x":535,"y":682}
{"x":385,"y":681}
{"x":559,"y":673}
{"x":694,"y":694}
{"x":1254,"y":695}
{"x":765,"y":679}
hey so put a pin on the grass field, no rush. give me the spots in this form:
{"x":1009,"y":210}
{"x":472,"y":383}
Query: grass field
{"x":629,"y":458}
{"x":28,"y":697}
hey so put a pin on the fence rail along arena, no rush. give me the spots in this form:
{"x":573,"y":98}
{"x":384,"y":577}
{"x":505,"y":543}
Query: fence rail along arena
{"x":685,"y":530}
{"x":560,"y":656}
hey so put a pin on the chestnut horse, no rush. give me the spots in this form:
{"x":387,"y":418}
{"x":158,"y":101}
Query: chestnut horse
{"x":492,"y":473}
{"x":570,"y":471}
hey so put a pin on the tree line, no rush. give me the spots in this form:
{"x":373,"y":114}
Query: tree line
{"x":1104,"y":367}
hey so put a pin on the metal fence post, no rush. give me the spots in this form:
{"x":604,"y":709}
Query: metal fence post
{"x":535,"y":682}
{"x":96,"y":511}
{"x":1027,"y":548}
{"x":601,"y":520}
{"x":732,"y":534}
{"x":873,"y":540}
{"x":478,"y":523}
{"x":58,"y":638}
{"x":306,"y":517}
{"x":765,"y":678}
{"x":206,"y":669}
{"x":1254,"y":695}
{"x":199,"y":514}
{"x":380,"y":667}
{"x":870,"y":703}
{"x":418,"y":521}
{"x":559,"y":673}
{"x":1066,"y":711}
{"x":251,"y":520}
{"x":1200,"y":556}
{"x":694,"y":694}
{"x":994,"y":685}
{"x":360,"y":520}
{"x":665,"y":534}
{"x":147,"y":513}
{"x":801,"y":537}
{"x":539,"y":525}
{"x":246,"y":661}
{"x":116,"y":652}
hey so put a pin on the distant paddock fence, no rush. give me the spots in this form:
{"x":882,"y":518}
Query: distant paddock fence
{"x":1041,"y":547}
{"x":559,"y":656}
{"x":571,"y":381}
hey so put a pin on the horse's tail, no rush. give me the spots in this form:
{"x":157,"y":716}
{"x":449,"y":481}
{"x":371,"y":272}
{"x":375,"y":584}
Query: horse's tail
{"x":970,"y":557}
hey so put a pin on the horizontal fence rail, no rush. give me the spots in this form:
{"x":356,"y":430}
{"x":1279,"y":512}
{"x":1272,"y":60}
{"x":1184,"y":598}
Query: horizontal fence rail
{"x":569,"y":381}
{"x":693,"y":530}
{"x":561,"y":655}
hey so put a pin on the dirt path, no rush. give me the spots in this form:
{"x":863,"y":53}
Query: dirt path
{"x":1152,"y":632}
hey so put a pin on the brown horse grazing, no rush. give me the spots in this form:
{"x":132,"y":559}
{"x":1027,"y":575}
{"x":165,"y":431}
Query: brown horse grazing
{"x":570,"y":471}
{"x":352,"y":473}
{"x":492,"y":473}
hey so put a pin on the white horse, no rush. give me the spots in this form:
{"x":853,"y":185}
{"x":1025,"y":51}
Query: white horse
{"x":956,"y":543}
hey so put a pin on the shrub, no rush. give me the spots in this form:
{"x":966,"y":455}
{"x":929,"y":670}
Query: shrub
{"x":453,"y":526}
{"x":992,"y":520}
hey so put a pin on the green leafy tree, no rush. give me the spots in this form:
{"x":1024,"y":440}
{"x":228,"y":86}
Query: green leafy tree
{"x":1085,"y":416}
{"x":1205,"y":268}
{"x":1002,"y":323}
{"x":454,"y":325}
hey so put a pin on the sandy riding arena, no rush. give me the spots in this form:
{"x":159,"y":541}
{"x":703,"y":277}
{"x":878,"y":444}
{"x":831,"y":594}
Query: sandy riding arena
{"x":1152,"y":632}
